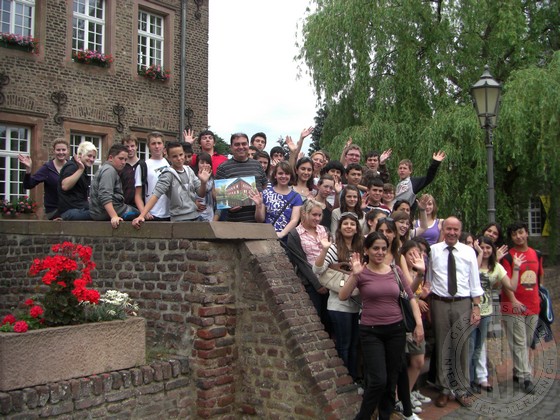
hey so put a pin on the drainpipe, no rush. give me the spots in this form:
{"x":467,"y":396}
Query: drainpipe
{"x":183,"y":74}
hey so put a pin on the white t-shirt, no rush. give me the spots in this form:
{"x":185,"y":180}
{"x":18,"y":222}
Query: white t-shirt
{"x":155,"y":167}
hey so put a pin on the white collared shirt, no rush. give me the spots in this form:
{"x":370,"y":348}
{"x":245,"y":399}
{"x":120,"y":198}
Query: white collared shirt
{"x":468,"y":278}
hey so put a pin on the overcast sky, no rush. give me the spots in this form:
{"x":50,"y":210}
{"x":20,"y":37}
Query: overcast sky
{"x":253,"y":77}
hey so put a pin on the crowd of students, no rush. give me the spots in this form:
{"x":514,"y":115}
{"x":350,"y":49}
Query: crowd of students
{"x":332,"y":215}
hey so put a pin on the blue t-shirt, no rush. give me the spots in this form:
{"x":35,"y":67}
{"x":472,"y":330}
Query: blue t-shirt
{"x":275,"y":202}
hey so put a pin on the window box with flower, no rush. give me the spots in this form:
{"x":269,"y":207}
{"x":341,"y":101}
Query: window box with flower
{"x":19,"y":42}
{"x":20,"y":207}
{"x":93,"y":58}
{"x":65,"y":323}
{"x":154,"y":72}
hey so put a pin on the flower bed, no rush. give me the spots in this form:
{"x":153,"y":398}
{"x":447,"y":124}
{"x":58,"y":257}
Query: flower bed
{"x":61,"y":353}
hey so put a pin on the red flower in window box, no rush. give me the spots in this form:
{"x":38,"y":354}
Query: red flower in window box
{"x":154,"y":72}
{"x":20,"y":42}
{"x":92,"y":57}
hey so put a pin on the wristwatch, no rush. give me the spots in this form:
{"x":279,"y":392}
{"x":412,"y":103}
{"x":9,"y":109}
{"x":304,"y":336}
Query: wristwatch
{"x":476,"y":305}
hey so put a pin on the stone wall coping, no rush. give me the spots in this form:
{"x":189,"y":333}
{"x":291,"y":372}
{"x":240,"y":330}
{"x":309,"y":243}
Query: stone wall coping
{"x":207,"y":231}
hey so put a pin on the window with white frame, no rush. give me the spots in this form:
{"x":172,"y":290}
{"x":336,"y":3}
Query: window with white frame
{"x":143,"y":152}
{"x":76,"y":139}
{"x":534,"y":217}
{"x":17,"y":17}
{"x":88,"y":25}
{"x":150,"y":39}
{"x":13,"y":141}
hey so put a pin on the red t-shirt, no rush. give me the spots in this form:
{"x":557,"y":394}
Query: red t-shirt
{"x":528,"y":288}
{"x":217,"y":160}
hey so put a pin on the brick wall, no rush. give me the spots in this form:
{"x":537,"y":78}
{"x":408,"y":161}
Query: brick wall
{"x":161,"y":388}
{"x":93,"y":91}
{"x":222,"y":295}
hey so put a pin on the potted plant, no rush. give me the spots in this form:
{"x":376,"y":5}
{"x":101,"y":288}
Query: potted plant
{"x":154,"y":72}
{"x":21,"y":207}
{"x":19,"y":42}
{"x":65,"y":322}
{"x":94,"y":58}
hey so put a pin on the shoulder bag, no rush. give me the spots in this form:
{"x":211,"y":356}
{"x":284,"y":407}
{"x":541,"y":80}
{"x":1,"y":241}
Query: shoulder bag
{"x":404,"y":303}
{"x":334,"y":280}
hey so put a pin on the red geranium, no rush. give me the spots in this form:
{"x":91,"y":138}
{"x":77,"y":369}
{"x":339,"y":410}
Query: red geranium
{"x":29,"y":302}
{"x":36,"y":311}
{"x":9,"y":319}
{"x":20,"y":327}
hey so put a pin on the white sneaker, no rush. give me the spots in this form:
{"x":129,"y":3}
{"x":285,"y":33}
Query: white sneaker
{"x":398,"y":407}
{"x":422,"y":398}
{"x":414,"y":401}
{"x":416,"y":410}
{"x":412,"y":417}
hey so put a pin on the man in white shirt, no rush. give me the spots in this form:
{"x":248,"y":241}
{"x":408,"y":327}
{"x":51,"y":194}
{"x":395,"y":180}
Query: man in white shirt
{"x":147,"y":174}
{"x":455,"y":304}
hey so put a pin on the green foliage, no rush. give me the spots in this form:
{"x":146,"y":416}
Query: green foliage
{"x":397,"y":75}
{"x":61,"y":306}
{"x":221,"y":146}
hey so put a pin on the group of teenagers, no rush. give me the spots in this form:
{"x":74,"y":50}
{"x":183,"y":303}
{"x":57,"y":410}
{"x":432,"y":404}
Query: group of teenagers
{"x":333,"y":215}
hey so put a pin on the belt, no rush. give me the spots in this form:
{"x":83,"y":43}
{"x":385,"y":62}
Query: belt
{"x":449,"y":299}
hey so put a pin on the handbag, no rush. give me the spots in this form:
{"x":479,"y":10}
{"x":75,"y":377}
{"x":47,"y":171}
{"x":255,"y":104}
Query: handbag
{"x":404,"y":303}
{"x":334,"y":279}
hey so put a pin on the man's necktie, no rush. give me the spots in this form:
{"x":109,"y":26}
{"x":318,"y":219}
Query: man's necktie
{"x":451,"y":272}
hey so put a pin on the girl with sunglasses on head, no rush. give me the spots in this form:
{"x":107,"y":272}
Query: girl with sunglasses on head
{"x":303,"y":247}
{"x":350,"y":201}
{"x":492,"y":276}
{"x":382,"y":331}
{"x":343,"y":314}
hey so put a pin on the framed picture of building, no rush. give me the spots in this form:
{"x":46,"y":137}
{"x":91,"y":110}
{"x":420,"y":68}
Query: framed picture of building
{"x":234,"y":192}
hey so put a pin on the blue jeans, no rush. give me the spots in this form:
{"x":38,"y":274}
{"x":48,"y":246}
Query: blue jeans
{"x":346,"y":332}
{"x":476,"y":341}
{"x":383,"y":347}
{"x":76,"y":214}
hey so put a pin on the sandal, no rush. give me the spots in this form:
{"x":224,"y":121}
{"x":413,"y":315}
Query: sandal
{"x":486,"y":387}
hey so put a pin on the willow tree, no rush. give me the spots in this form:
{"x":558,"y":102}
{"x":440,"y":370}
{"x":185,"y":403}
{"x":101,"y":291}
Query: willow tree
{"x":398,"y":73}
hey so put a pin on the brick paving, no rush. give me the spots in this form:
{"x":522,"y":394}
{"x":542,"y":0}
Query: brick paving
{"x":506,"y":399}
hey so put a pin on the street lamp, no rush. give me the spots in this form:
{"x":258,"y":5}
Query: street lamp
{"x":486,"y":97}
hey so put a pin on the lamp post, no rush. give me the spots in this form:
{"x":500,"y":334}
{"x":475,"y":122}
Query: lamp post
{"x":486,"y":98}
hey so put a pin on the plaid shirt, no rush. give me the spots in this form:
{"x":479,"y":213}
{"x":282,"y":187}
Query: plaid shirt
{"x":311,"y":245}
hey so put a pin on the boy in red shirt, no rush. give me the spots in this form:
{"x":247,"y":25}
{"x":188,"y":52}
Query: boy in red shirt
{"x":521,"y":309}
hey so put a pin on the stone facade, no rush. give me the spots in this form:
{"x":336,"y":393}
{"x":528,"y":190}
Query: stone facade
{"x":222,"y":295}
{"x":92,"y":92}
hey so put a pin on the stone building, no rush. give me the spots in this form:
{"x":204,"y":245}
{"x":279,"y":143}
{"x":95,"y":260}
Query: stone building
{"x":48,"y":93}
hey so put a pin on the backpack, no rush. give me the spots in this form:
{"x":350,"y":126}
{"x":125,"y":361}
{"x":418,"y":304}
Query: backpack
{"x":144,"y":178}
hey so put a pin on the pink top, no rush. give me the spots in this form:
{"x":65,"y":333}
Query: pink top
{"x":380,"y":293}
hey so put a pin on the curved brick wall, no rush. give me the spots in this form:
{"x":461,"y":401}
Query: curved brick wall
{"x":222,"y":295}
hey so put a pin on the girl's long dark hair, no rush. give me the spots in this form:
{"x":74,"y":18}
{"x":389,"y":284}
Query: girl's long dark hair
{"x":500,"y":239}
{"x":393,"y":228}
{"x":205,"y":157}
{"x":309,"y":183}
{"x":370,"y":239}
{"x":357,"y":208}
{"x":493,"y":257}
{"x":357,"y":240}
